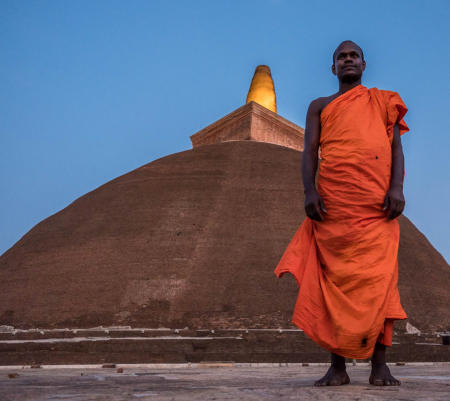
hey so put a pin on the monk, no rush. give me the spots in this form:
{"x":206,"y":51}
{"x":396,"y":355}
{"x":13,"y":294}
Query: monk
{"x":344,"y":254}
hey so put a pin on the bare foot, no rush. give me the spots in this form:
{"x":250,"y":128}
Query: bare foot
{"x":334,"y":377}
{"x":381,"y":376}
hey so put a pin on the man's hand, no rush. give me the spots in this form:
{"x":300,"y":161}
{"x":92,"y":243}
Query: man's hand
{"x":394,"y":202}
{"x":314,"y":205}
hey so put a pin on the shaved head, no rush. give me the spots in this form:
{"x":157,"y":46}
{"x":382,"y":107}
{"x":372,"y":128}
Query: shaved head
{"x":347,"y":42}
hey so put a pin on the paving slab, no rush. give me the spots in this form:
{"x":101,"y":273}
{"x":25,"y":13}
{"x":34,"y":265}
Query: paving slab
{"x":216,"y":382}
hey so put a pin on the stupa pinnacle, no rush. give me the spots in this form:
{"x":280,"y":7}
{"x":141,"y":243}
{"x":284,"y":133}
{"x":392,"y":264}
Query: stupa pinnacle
{"x":257,"y":120}
{"x":262,"y":90}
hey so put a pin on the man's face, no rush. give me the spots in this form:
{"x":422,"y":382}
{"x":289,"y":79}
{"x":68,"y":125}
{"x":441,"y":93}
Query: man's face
{"x":348,"y":64}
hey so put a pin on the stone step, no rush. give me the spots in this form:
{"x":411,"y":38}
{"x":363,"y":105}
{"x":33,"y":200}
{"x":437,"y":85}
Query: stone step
{"x":114,"y":332}
{"x":237,"y":346}
{"x":38,"y":334}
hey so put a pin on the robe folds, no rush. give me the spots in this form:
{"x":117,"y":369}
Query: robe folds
{"x":346,"y":265}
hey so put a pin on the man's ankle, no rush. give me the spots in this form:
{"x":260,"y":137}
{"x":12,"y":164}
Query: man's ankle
{"x":338,"y":362}
{"x":377,"y":364}
{"x":379,"y":355}
{"x":339,"y":367}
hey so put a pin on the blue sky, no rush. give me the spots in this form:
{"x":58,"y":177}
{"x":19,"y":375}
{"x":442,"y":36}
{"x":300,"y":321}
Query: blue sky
{"x":93,"y":89}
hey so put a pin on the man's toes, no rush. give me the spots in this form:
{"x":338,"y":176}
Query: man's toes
{"x":321,"y":382}
{"x":391,"y":381}
{"x":339,"y":380}
{"x":384,"y":382}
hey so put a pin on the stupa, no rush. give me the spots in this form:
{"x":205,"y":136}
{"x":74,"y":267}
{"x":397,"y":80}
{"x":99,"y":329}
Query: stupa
{"x":190,"y":241}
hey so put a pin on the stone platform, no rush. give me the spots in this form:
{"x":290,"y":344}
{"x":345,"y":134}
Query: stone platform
{"x":128,"y":345}
{"x":218,"y":382}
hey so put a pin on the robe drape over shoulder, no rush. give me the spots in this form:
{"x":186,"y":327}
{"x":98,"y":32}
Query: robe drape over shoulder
{"x":346,"y":266}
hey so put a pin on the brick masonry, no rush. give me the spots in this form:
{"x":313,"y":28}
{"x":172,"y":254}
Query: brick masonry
{"x":252,"y":122}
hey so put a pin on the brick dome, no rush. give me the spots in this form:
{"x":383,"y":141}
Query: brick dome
{"x":190,"y":239}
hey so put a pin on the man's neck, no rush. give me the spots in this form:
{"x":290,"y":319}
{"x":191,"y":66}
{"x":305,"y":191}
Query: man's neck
{"x":345,"y":86}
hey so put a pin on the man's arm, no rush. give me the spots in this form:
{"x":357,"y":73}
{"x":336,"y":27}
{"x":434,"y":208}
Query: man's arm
{"x":394,"y":201}
{"x":313,"y":202}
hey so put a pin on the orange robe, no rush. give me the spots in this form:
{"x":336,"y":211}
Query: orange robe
{"x":346,"y":266}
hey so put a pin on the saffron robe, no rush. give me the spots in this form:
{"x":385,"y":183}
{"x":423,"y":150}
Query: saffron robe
{"x":346,"y":266}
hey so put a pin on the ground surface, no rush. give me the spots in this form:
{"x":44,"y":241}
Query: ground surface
{"x":424,"y":382}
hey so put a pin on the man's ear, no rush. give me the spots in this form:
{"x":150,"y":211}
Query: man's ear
{"x":364,"y":65}
{"x":333,"y":69}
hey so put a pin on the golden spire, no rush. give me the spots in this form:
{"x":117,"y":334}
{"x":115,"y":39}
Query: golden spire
{"x":262,"y":90}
